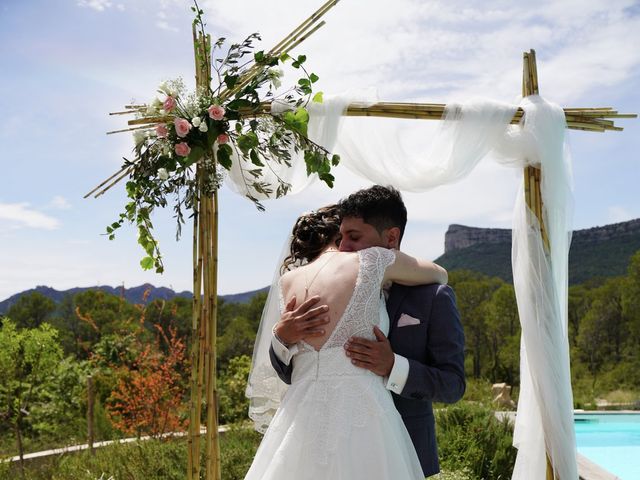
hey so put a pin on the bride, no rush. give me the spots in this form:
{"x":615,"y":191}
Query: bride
{"x":336,"y":420}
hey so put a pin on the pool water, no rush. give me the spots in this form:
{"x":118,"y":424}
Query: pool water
{"x":612,"y":440}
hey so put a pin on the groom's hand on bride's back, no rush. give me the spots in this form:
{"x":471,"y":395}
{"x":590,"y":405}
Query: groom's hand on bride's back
{"x":303,"y":322}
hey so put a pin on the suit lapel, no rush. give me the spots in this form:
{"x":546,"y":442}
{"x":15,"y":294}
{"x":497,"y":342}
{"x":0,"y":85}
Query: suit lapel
{"x":396,"y":296}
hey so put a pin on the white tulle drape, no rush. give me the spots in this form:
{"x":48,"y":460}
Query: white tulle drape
{"x":469,"y":133}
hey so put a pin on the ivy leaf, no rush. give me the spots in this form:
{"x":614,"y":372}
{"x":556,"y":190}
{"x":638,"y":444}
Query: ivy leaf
{"x":147,"y":263}
{"x":253,"y":155}
{"x":259,"y":56}
{"x":328,"y":179}
{"x":195,"y":154}
{"x":314,"y":78}
{"x":317,"y":98}
{"x":230,"y":81}
{"x":335,"y":160}
{"x":224,"y":156}
{"x":247,"y":141}
{"x":297,"y":121}
{"x":239,"y":103}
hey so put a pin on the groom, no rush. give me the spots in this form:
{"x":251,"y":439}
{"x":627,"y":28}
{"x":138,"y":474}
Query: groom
{"x":422,"y":359}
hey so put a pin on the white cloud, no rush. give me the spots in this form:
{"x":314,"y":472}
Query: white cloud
{"x":98,"y":5}
{"x":164,"y":25}
{"x":59,"y":203}
{"x":18,"y":215}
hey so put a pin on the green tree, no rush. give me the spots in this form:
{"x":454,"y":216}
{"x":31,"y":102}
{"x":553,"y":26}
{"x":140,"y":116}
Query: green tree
{"x":234,"y":405}
{"x":602,"y":329}
{"x":503,"y":332}
{"x":31,"y":310}
{"x":28,"y":359}
{"x":578,"y":301}
{"x":238,"y":339}
{"x":101,"y":313}
{"x":472,"y":291}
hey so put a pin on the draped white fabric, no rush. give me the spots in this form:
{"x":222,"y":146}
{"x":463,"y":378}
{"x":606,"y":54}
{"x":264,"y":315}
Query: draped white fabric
{"x":469,"y":133}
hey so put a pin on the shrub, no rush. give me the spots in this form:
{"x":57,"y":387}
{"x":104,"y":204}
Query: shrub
{"x":164,"y":459}
{"x":471,"y":437}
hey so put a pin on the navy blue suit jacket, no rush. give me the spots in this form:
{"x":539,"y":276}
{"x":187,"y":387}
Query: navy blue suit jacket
{"x":435,"y":350}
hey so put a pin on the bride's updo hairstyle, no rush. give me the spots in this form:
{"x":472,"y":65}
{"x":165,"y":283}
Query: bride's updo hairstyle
{"x":311,"y":234}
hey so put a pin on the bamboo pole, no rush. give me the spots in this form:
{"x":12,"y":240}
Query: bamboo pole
{"x":90,"y":416}
{"x":532,"y":177}
{"x":288,"y":43}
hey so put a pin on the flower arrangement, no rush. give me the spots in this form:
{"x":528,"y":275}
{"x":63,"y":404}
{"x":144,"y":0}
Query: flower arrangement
{"x":182,"y":137}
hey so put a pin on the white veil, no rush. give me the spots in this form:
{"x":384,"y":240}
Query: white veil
{"x":264,"y":387}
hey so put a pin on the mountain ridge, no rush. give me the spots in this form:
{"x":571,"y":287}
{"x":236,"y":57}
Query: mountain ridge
{"x":138,"y":295}
{"x":596,"y":252}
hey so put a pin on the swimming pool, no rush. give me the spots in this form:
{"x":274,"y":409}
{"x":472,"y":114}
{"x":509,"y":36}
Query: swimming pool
{"x":612,"y":440}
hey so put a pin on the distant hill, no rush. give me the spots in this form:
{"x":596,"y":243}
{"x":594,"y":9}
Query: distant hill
{"x":595,"y":252}
{"x":132,"y":295}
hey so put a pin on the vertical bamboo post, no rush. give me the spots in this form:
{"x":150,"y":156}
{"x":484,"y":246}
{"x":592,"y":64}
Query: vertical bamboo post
{"x":90,"y":404}
{"x":203,"y":326}
{"x":533,"y":175}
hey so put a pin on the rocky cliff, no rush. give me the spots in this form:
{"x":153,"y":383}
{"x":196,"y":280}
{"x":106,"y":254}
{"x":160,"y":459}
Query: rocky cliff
{"x":461,"y":236}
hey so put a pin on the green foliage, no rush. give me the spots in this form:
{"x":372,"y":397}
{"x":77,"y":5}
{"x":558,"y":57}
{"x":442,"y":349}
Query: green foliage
{"x":150,"y":460}
{"x":232,"y":383}
{"x":28,"y":360}
{"x":473,"y":292}
{"x":31,"y":310}
{"x":471,"y":439}
{"x":238,"y":339}
{"x":588,"y":261}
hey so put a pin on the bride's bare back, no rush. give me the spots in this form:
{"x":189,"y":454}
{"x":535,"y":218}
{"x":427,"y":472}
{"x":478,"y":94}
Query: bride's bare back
{"x":332,"y":276}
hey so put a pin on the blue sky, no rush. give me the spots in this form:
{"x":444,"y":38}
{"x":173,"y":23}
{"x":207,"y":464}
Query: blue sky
{"x":67,"y":63}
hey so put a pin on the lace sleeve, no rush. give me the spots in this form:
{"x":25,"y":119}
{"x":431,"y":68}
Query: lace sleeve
{"x":376,"y":260}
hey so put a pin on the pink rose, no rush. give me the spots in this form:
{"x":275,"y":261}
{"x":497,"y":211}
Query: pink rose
{"x":223,"y":138}
{"x":182,"y":127}
{"x":162,"y":131}
{"x":169,"y":104}
{"x":216,"y":112}
{"x":182,"y":149}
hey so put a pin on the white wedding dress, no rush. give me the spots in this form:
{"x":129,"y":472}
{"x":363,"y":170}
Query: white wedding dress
{"x":338,"y":421}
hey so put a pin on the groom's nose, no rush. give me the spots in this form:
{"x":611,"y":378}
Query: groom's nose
{"x":346,"y":245}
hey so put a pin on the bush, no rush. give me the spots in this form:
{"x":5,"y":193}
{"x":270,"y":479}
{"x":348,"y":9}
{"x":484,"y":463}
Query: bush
{"x":232,"y":383}
{"x":471,"y":439}
{"x":149,"y":460}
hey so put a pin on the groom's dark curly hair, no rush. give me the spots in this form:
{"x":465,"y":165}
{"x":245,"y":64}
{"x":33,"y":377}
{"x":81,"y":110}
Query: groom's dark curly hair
{"x":379,"y":206}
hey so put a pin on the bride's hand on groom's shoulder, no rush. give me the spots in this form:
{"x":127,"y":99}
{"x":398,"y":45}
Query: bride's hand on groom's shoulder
{"x":303,"y":322}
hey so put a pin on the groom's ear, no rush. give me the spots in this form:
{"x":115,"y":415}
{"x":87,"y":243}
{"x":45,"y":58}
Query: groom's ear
{"x":392,"y":239}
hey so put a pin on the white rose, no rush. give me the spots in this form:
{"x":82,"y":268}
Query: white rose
{"x":139,"y":136}
{"x":157,"y":103}
{"x":162,"y":111}
{"x":164,"y":88}
{"x":275,"y":74}
{"x":203,"y":127}
{"x":151,"y":110}
{"x":163,"y":174}
{"x":195,"y":121}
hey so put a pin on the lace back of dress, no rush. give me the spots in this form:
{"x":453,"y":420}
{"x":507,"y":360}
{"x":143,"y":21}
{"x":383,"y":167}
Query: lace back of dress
{"x":362,"y":312}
